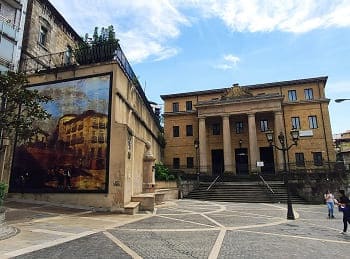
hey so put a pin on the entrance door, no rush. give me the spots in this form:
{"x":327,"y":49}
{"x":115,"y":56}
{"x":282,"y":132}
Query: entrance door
{"x":241,"y":156}
{"x":217,"y":161}
{"x":266,"y":155}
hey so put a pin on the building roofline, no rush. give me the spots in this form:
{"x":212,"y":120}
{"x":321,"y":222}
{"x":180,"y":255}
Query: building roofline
{"x":264,"y":85}
{"x":61,"y":18}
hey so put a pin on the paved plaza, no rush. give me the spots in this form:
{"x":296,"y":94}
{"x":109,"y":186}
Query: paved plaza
{"x":177,"y":229}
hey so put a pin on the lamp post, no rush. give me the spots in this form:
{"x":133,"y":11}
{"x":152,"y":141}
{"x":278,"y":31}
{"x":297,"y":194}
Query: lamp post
{"x":196,"y":146}
{"x":341,"y":100}
{"x":284,"y":148}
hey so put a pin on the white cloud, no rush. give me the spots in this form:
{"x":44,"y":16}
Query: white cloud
{"x":232,"y":59}
{"x":295,"y":16}
{"x":144,"y":27}
{"x":229,"y":62}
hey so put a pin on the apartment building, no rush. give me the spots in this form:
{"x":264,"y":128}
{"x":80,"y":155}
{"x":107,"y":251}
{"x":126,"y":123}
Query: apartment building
{"x":12,"y":18}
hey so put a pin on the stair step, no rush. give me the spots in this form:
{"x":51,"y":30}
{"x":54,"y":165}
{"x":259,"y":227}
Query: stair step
{"x":249,"y":191}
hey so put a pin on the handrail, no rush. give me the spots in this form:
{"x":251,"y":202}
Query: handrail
{"x":213,"y":182}
{"x":266,"y":184}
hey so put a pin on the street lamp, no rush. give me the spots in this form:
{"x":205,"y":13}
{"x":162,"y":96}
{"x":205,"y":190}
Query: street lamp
{"x":196,"y":146}
{"x":341,"y":100}
{"x":284,"y":148}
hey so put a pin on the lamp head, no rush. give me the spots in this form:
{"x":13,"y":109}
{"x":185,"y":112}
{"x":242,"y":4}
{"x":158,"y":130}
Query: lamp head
{"x":281,"y":138}
{"x":269,"y":136}
{"x":196,"y":143}
{"x":340,"y":100}
{"x":295,"y":135}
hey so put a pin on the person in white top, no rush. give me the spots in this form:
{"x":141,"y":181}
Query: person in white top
{"x":329,"y":198}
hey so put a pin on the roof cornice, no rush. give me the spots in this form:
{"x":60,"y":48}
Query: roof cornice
{"x":255,"y":86}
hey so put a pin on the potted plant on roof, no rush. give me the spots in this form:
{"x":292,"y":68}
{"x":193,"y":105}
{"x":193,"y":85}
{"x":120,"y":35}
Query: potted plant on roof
{"x":101,"y":47}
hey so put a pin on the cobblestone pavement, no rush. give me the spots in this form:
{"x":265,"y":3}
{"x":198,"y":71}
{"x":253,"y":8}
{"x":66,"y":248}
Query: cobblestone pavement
{"x":183,"y":229}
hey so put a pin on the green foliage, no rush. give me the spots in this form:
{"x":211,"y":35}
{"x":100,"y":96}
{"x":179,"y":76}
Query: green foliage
{"x":3,"y":190}
{"x":101,"y":47}
{"x":162,"y":173}
{"x":105,"y":35}
{"x":20,"y":107}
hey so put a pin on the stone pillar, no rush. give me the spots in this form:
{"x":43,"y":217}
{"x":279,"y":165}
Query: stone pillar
{"x":227,"y":143}
{"x":148,"y":171}
{"x":203,"y":163}
{"x":253,"y":142}
{"x":279,"y":127}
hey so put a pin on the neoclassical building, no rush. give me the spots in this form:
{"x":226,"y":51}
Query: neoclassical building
{"x":224,"y":130}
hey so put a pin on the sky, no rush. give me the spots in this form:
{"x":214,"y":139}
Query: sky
{"x":177,"y":46}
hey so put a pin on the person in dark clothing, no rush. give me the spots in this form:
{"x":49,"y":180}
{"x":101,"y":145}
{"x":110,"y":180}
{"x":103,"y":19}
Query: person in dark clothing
{"x":344,"y":206}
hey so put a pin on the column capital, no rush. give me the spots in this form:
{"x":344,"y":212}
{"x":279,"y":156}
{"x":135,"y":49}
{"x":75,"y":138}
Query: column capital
{"x":278,"y":112}
{"x":251,"y":114}
{"x":225,"y":116}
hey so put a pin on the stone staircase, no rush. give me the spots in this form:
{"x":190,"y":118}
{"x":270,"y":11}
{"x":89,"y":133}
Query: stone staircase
{"x":249,"y":191}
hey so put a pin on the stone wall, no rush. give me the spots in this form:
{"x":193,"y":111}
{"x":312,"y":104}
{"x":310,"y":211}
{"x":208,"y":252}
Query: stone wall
{"x":312,"y":190}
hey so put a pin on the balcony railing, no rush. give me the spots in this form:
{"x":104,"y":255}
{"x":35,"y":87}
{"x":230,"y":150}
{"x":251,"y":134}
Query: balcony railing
{"x":81,"y":56}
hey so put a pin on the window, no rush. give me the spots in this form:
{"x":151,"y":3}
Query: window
{"x":189,"y":162}
{"x":189,"y":130}
{"x":188,"y":105}
{"x":176,"y":163}
{"x":313,"y":122}
{"x":295,"y":122}
{"x":176,"y":131}
{"x":216,"y":129}
{"x":239,"y":127}
{"x":299,"y":159}
{"x":317,"y":158}
{"x":308,"y":94}
{"x":175,"y":107}
{"x":264,"y":126}
{"x":292,"y":95}
{"x":43,"y":35}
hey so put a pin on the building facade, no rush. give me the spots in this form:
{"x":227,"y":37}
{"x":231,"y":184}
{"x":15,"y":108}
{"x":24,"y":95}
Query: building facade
{"x":102,"y":156}
{"x":12,"y":17}
{"x":224,"y":130}
{"x":47,"y":35}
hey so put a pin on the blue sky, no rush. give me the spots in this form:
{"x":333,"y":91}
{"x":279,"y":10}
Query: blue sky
{"x":190,"y":45}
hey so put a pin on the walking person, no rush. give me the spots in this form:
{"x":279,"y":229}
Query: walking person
{"x":344,"y":206}
{"x":329,"y":198}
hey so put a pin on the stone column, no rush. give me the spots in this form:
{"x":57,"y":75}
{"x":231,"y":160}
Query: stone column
{"x":203,"y":163}
{"x":279,"y":127}
{"x":253,"y":142}
{"x":148,"y":170}
{"x":227,"y":143}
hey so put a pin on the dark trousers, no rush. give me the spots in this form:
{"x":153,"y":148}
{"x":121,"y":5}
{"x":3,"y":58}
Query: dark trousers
{"x":346,"y":220}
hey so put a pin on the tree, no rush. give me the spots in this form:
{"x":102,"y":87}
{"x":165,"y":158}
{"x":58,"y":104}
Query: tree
{"x":20,"y":108}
